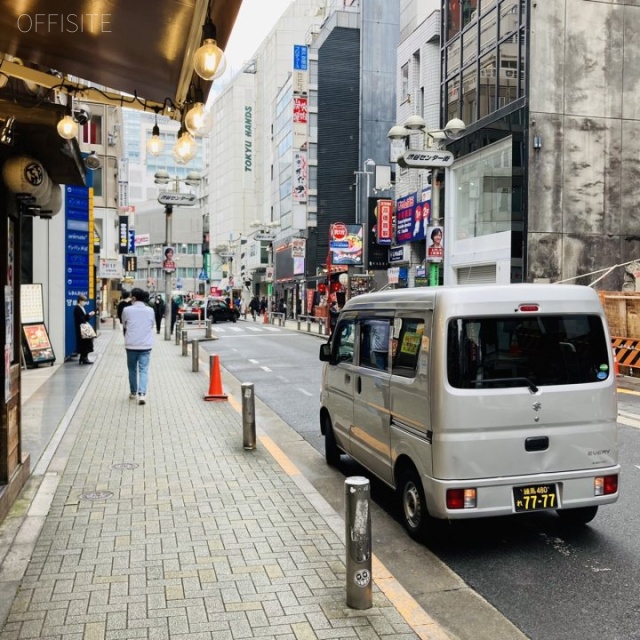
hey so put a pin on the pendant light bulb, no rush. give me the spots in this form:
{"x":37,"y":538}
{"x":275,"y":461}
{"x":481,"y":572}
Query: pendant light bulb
{"x":67,"y":128}
{"x":207,"y":59}
{"x":185,"y":148}
{"x":155,"y":144}
{"x":198,"y":120}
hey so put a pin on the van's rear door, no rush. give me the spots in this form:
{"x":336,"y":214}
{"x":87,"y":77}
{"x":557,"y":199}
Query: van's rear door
{"x":525,"y":395}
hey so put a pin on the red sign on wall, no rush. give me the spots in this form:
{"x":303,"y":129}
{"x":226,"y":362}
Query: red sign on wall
{"x":384,"y":226}
{"x":339,"y":231}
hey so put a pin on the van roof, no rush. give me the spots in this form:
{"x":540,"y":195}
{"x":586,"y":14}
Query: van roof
{"x":479,"y":295}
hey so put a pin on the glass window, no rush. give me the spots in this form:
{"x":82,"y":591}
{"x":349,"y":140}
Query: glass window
{"x":91,"y":133}
{"x":469,"y":94}
{"x":374,"y":343}
{"x":407,"y":339}
{"x":453,"y":58}
{"x":453,"y":98}
{"x":404,"y":77}
{"x":509,"y":18}
{"x":508,"y":86}
{"x":344,"y":341}
{"x":453,"y":18}
{"x":469,"y":46}
{"x":487,"y":87}
{"x":488,"y":32}
{"x":539,"y":350}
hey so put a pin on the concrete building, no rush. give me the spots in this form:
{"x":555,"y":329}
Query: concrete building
{"x":543,"y":186}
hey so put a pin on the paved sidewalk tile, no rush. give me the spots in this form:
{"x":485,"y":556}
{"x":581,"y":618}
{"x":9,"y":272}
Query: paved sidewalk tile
{"x":163,"y":526}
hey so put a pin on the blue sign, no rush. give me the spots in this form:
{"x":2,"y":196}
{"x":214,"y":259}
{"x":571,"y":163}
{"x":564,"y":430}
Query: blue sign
{"x":300,"y":57}
{"x":132,"y":241}
{"x":202,"y":276}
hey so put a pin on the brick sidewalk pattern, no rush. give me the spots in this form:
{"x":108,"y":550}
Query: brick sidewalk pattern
{"x":193,"y":537}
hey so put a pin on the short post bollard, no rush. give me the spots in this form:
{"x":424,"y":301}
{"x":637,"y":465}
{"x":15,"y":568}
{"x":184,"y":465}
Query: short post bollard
{"x":308,"y":325}
{"x":178,"y":330}
{"x":195,"y":355}
{"x":299,"y":321}
{"x":185,"y":342}
{"x":207,"y":329}
{"x":248,"y":416}
{"x":358,"y":542}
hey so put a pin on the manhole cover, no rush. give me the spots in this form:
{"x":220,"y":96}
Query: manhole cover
{"x":96,"y":495}
{"x":124,"y":465}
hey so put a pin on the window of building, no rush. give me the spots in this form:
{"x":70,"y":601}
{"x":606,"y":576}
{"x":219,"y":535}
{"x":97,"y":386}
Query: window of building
{"x":91,"y":133}
{"x":469,"y":97}
{"x":404,"y":79}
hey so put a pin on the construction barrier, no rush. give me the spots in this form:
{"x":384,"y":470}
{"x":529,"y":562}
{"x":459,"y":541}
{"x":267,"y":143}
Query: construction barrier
{"x":626,"y":352}
{"x":215,"y":380}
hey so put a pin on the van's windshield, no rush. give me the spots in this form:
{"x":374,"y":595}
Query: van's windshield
{"x":539,"y":350}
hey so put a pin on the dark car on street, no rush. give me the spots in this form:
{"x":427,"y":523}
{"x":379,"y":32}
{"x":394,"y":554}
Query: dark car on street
{"x":219,"y":311}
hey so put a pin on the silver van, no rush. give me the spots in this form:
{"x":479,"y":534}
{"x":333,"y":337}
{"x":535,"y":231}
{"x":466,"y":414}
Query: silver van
{"x":475,"y":401}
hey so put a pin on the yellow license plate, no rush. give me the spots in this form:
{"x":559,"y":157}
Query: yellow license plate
{"x":537,"y":497}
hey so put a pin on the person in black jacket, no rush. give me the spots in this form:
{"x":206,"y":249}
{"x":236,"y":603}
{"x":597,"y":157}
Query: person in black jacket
{"x":125,"y":302}
{"x":159,"y":308}
{"x":84,"y":346}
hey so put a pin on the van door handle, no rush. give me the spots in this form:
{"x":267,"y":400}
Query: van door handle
{"x":359,"y":385}
{"x":347,"y":378}
{"x":537,"y":443}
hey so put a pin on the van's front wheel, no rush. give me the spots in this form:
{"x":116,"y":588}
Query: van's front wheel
{"x":415,"y":516}
{"x":581,"y":515}
{"x":331,"y":451}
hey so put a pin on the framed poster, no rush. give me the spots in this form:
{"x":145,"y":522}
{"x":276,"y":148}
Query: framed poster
{"x":37,"y":345}
{"x":31,"y":306}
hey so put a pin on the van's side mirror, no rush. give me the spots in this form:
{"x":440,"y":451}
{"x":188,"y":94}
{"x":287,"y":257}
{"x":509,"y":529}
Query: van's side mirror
{"x":325,"y":352}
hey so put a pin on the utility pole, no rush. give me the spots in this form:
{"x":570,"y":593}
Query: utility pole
{"x":168,"y":210}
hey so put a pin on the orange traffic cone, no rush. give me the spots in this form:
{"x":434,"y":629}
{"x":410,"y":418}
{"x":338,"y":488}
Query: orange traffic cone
{"x":215,"y":380}
{"x":265,"y":318}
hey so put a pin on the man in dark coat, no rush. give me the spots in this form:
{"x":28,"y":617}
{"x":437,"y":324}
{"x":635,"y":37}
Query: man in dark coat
{"x":159,"y":308}
{"x":125,"y":302}
{"x":84,"y":346}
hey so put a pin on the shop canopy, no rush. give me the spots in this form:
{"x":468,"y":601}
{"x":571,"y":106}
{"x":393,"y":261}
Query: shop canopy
{"x":140,"y":47}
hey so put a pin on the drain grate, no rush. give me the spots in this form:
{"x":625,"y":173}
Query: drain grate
{"x":96,"y":495}
{"x":125,"y":465}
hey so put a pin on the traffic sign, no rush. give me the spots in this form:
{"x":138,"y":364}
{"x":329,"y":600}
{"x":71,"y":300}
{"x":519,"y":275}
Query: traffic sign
{"x":202,"y":276}
{"x":425,"y":159}
{"x":177,"y":199}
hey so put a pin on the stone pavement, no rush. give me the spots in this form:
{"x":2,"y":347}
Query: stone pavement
{"x":153,"y":522}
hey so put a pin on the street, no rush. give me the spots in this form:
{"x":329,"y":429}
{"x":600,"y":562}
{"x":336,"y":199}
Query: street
{"x":550,"y":581}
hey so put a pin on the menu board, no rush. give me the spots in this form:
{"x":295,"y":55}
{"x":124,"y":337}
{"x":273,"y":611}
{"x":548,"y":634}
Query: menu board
{"x":38,"y":345}
{"x":31,"y":306}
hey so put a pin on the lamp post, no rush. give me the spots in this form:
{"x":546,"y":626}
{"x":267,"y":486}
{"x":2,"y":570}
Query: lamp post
{"x":453,"y":130}
{"x":362,"y":210}
{"x":169,"y":199}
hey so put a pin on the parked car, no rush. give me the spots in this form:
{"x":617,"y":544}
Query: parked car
{"x":219,"y":311}
{"x":193,"y":311}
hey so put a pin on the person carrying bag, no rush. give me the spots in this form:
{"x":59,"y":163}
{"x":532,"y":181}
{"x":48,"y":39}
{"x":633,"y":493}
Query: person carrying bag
{"x":84,"y":342}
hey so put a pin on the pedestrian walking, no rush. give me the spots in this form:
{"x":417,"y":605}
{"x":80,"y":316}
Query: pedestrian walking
{"x":84,"y":346}
{"x":174,"y":313}
{"x":137,"y":322}
{"x":254,"y":305}
{"x":124,"y":302}
{"x":263,"y":305}
{"x":159,"y":308}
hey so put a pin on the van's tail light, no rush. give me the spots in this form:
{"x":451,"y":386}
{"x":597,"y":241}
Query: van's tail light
{"x":461,"y":498}
{"x":605,"y":485}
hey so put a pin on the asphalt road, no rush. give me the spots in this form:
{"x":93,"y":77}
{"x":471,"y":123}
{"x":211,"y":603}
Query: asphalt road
{"x":551,"y":581}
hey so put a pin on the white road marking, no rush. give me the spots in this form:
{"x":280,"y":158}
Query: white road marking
{"x":306,"y":393}
{"x":255,"y":329}
{"x":628,"y":421}
{"x":252,"y":361}
{"x":283,"y":379}
{"x":266,"y":369}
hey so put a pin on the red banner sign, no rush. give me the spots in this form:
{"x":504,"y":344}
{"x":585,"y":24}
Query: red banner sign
{"x":384,"y":226}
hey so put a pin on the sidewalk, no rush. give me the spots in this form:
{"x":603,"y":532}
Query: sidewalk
{"x":153,"y":522}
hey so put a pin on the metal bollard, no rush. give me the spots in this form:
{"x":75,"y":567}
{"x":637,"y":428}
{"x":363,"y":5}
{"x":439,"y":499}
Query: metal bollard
{"x":308,"y":325}
{"x":207,"y":329}
{"x":299,"y":323}
{"x":320,"y":328}
{"x":195,"y":355}
{"x":178,"y":330}
{"x":185,"y":342}
{"x":248,"y":416}
{"x":358,"y":542}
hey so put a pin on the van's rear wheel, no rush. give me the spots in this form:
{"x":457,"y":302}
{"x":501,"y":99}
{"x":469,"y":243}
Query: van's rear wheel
{"x":331,"y":451}
{"x":415,"y":516}
{"x":581,"y":515}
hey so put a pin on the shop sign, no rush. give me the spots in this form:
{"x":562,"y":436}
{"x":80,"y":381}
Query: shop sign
{"x":425,"y":159}
{"x":384,"y":226}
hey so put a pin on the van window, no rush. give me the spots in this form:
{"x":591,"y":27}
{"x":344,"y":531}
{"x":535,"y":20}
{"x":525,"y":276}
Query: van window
{"x":407,"y":339}
{"x":374,"y":343}
{"x":344,"y":341}
{"x":539,"y":350}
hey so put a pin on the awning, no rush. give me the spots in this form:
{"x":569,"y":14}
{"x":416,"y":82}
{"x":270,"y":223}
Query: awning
{"x":140,"y":47}
{"x":36,"y":135}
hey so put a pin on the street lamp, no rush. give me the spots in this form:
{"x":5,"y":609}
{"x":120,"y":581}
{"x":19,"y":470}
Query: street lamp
{"x":432,"y":138}
{"x":169,"y":199}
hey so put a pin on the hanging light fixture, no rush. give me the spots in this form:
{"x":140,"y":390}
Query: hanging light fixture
{"x":155,"y":144}
{"x":185,"y":148}
{"x":209,"y":57}
{"x":198,"y":119}
{"x":68,"y":127}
